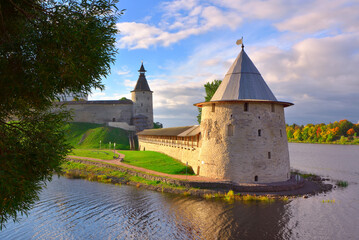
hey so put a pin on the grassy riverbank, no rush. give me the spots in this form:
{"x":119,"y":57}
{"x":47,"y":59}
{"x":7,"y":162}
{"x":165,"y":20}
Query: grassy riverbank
{"x":90,"y":172}
{"x":146,"y":159}
{"x":156,"y":161}
{"x":76,"y":170}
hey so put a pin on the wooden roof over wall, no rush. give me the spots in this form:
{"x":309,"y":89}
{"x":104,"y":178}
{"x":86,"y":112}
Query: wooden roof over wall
{"x":186,"y":131}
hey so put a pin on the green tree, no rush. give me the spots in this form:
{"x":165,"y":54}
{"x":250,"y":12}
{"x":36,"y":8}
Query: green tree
{"x":157,"y":125}
{"x":210,"y":88}
{"x":47,"y":48}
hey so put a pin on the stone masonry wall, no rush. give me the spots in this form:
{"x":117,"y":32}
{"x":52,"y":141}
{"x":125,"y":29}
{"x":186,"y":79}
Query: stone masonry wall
{"x":101,"y":113}
{"x":258,"y":145}
{"x":142,"y":104}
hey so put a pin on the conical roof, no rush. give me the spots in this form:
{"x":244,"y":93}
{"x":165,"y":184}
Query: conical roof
{"x":243,"y":81}
{"x":142,"y":68}
{"x":142,"y":84}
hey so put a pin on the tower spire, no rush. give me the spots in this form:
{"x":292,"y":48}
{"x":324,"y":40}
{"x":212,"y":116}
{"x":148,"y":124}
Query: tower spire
{"x":142,"y":84}
{"x":142,"y":68}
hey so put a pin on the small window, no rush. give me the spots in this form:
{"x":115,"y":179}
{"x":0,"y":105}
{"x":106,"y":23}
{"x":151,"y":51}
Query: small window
{"x":246,"y":107}
{"x":230,"y":130}
{"x":213,"y":107}
{"x":259,"y":132}
{"x":272,"y":107}
{"x":256,"y":178}
{"x":269,"y":155}
{"x":141,"y":104}
{"x":113,"y":119}
{"x":280,"y":132}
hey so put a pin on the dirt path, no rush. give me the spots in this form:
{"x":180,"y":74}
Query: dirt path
{"x":180,"y":177}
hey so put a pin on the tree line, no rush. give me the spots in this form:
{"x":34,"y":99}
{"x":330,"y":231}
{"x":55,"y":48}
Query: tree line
{"x":341,"y":132}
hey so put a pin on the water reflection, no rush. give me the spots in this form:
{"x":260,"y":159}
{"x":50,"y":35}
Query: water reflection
{"x":215,"y":219}
{"x":77,"y":209}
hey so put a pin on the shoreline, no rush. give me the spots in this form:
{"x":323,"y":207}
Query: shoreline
{"x":96,"y":171}
{"x":325,"y":143}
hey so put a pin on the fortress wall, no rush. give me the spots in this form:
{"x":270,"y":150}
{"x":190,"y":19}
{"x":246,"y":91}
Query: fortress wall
{"x":101,"y":113}
{"x":122,"y":125}
{"x":244,"y":155}
{"x":183,"y":154}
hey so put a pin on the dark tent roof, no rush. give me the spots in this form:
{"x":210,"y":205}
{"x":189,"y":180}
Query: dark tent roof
{"x":142,"y":84}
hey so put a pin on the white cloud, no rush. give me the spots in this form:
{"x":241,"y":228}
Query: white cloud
{"x":184,"y":18}
{"x":319,"y":75}
{"x":312,"y":62}
{"x":130,"y":83}
{"x":123,"y":71}
{"x":180,"y":20}
{"x":320,"y":15}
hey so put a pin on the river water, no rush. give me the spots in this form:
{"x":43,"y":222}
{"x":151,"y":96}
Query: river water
{"x":78,"y":209}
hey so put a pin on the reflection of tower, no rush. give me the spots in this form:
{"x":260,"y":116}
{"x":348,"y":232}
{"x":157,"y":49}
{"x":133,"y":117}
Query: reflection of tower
{"x":243,"y":129}
{"x":142,"y":103}
{"x":211,"y":219}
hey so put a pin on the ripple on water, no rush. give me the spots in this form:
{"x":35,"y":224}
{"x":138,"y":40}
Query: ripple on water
{"x":78,"y":209}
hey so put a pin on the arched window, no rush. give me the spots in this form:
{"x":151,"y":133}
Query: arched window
{"x":256,"y":178}
{"x":230,"y":130}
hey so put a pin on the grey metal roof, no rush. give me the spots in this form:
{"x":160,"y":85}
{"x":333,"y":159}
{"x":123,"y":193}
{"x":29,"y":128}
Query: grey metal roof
{"x":142,"y":84}
{"x":186,"y":131}
{"x":243,"y":81}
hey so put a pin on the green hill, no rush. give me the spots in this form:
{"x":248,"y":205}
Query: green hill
{"x":88,"y":135}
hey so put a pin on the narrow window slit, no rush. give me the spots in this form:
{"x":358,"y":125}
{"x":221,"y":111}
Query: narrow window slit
{"x":230,"y":130}
{"x":213,"y":107}
{"x":246,"y":107}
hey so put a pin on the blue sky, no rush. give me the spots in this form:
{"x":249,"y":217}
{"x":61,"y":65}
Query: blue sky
{"x":306,"y":50}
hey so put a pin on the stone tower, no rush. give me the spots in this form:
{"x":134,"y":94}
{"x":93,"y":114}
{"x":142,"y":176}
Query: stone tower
{"x":142,"y":103}
{"x":243,"y":129}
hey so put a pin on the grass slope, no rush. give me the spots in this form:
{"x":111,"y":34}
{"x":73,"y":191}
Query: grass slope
{"x":88,"y":135}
